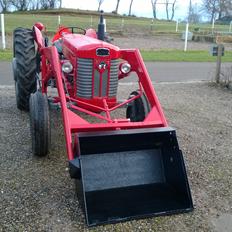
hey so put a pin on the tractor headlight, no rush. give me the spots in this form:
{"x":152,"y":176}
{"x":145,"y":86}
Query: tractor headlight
{"x":125,"y":68}
{"x":67,"y":67}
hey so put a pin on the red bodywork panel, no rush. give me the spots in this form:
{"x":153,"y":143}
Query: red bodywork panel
{"x":60,"y":33}
{"x":84,"y":46}
{"x":81,"y":46}
{"x":38,"y":37}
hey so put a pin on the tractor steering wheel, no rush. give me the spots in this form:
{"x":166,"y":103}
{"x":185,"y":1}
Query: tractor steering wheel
{"x":72,"y":29}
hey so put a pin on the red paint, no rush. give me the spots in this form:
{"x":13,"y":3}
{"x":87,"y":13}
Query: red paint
{"x":40,"y":26}
{"x":38,"y":37}
{"x":81,"y":46}
{"x":91,"y":33}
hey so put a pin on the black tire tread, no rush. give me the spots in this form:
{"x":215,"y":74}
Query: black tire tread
{"x":138,"y":109}
{"x":40,"y":124}
{"x":24,"y":52}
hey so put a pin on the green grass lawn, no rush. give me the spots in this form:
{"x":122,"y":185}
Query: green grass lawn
{"x":131,"y":24}
{"x":5,"y":55}
{"x":76,"y":18}
{"x":179,"y":55}
{"x":161,"y":55}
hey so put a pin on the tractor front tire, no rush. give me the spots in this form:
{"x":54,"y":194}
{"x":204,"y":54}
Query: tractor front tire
{"x":40,"y":124}
{"x":138,"y":109}
{"x":24,"y":66}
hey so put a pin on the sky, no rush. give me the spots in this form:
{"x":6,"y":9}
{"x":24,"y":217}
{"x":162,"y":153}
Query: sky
{"x":139,"y":7}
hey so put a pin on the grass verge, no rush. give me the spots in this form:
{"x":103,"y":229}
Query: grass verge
{"x":160,"y":55}
{"x":6,"y":55}
{"x":181,"y":56}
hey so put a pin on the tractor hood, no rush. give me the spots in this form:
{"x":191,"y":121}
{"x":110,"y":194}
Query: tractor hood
{"x":86,"y":47}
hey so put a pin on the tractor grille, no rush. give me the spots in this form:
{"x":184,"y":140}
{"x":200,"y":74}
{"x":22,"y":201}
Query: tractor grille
{"x":84,"y":77}
{"x":113,"y":78}
{"x":85,"y":83}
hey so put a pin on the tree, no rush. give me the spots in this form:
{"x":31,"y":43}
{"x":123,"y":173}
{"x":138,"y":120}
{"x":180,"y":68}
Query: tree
{"x":194,"y":15}
{"x":173,"y":8}
{"x":49,"y":4}
{"x":210,"y":7}
{"x":99,"y":4}
{"x":130,"y":7}
{"x":5,"y":4}
{"x":190,"y":10}
{"x":20,"y":5}
{"x":153,"y":3}
{"x":167,"y":10}
{"x":34,"y":5}
{"x":116,"y":9}
{"x":225,"y":8}
{"x":216,"y":9}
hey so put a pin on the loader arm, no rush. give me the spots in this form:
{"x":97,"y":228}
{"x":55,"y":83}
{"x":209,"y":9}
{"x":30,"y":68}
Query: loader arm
{"x":75,"y":124}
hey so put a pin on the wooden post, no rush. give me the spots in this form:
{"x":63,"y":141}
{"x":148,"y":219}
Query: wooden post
{"x":213,"y":25}
{"x":152,"y":22}
{"x":122,"y":25}
{"x":58,"y":20}
{"x":219,"y":62}
{"x":230,"y":27}
{"x":177,"y":25}
{"x":91,"y":21}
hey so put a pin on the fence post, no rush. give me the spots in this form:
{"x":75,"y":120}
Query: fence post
{"x":152,"y":23}
{"x":219,"y":62}
{"x":177,"y":25}
{"x":213,"y":23}
{"x":122,"y":25}
{"x":58,"y":20}
{"x":91,"y":21}
{"x":3,"y":32}
{"x":230,"y":27}
{"x":186,"y":37}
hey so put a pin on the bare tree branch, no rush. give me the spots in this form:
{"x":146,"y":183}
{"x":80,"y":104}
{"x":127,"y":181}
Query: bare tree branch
{"x":20,"y":5}
{"x":130,"y":7}
{"x":5,"y":4}
{"x":167,"y":10}
{"x":216,"y":9}
{"x":116,"y":9}
{"x":154,"y":3}
{"x":99,"y":4}
{"x":173,"y":8}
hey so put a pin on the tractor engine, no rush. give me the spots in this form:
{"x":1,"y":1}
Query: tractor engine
{"x":96,"y":69}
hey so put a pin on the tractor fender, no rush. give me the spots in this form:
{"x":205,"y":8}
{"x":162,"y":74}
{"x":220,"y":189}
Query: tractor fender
{"x":38,"y":37}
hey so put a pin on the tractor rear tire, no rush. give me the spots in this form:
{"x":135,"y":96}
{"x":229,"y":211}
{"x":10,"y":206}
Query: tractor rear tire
{"x":40,"y":124}
{"x":24,"y":66}
{"x":138,"y":109}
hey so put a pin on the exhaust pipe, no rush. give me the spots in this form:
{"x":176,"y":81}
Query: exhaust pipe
{"x":101,"y":28}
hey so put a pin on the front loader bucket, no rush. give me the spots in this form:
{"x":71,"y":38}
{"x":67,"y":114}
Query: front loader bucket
{"x":130,"y":174}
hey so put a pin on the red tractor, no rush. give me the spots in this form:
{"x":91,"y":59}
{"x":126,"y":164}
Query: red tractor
{"x":124,"y":168}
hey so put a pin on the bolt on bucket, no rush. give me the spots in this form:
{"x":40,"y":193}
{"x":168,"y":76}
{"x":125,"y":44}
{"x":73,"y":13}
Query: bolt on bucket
{"x":129,"y":174}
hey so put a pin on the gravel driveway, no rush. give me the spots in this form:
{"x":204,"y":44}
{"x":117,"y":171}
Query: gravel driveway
{"x":37,"y":194}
